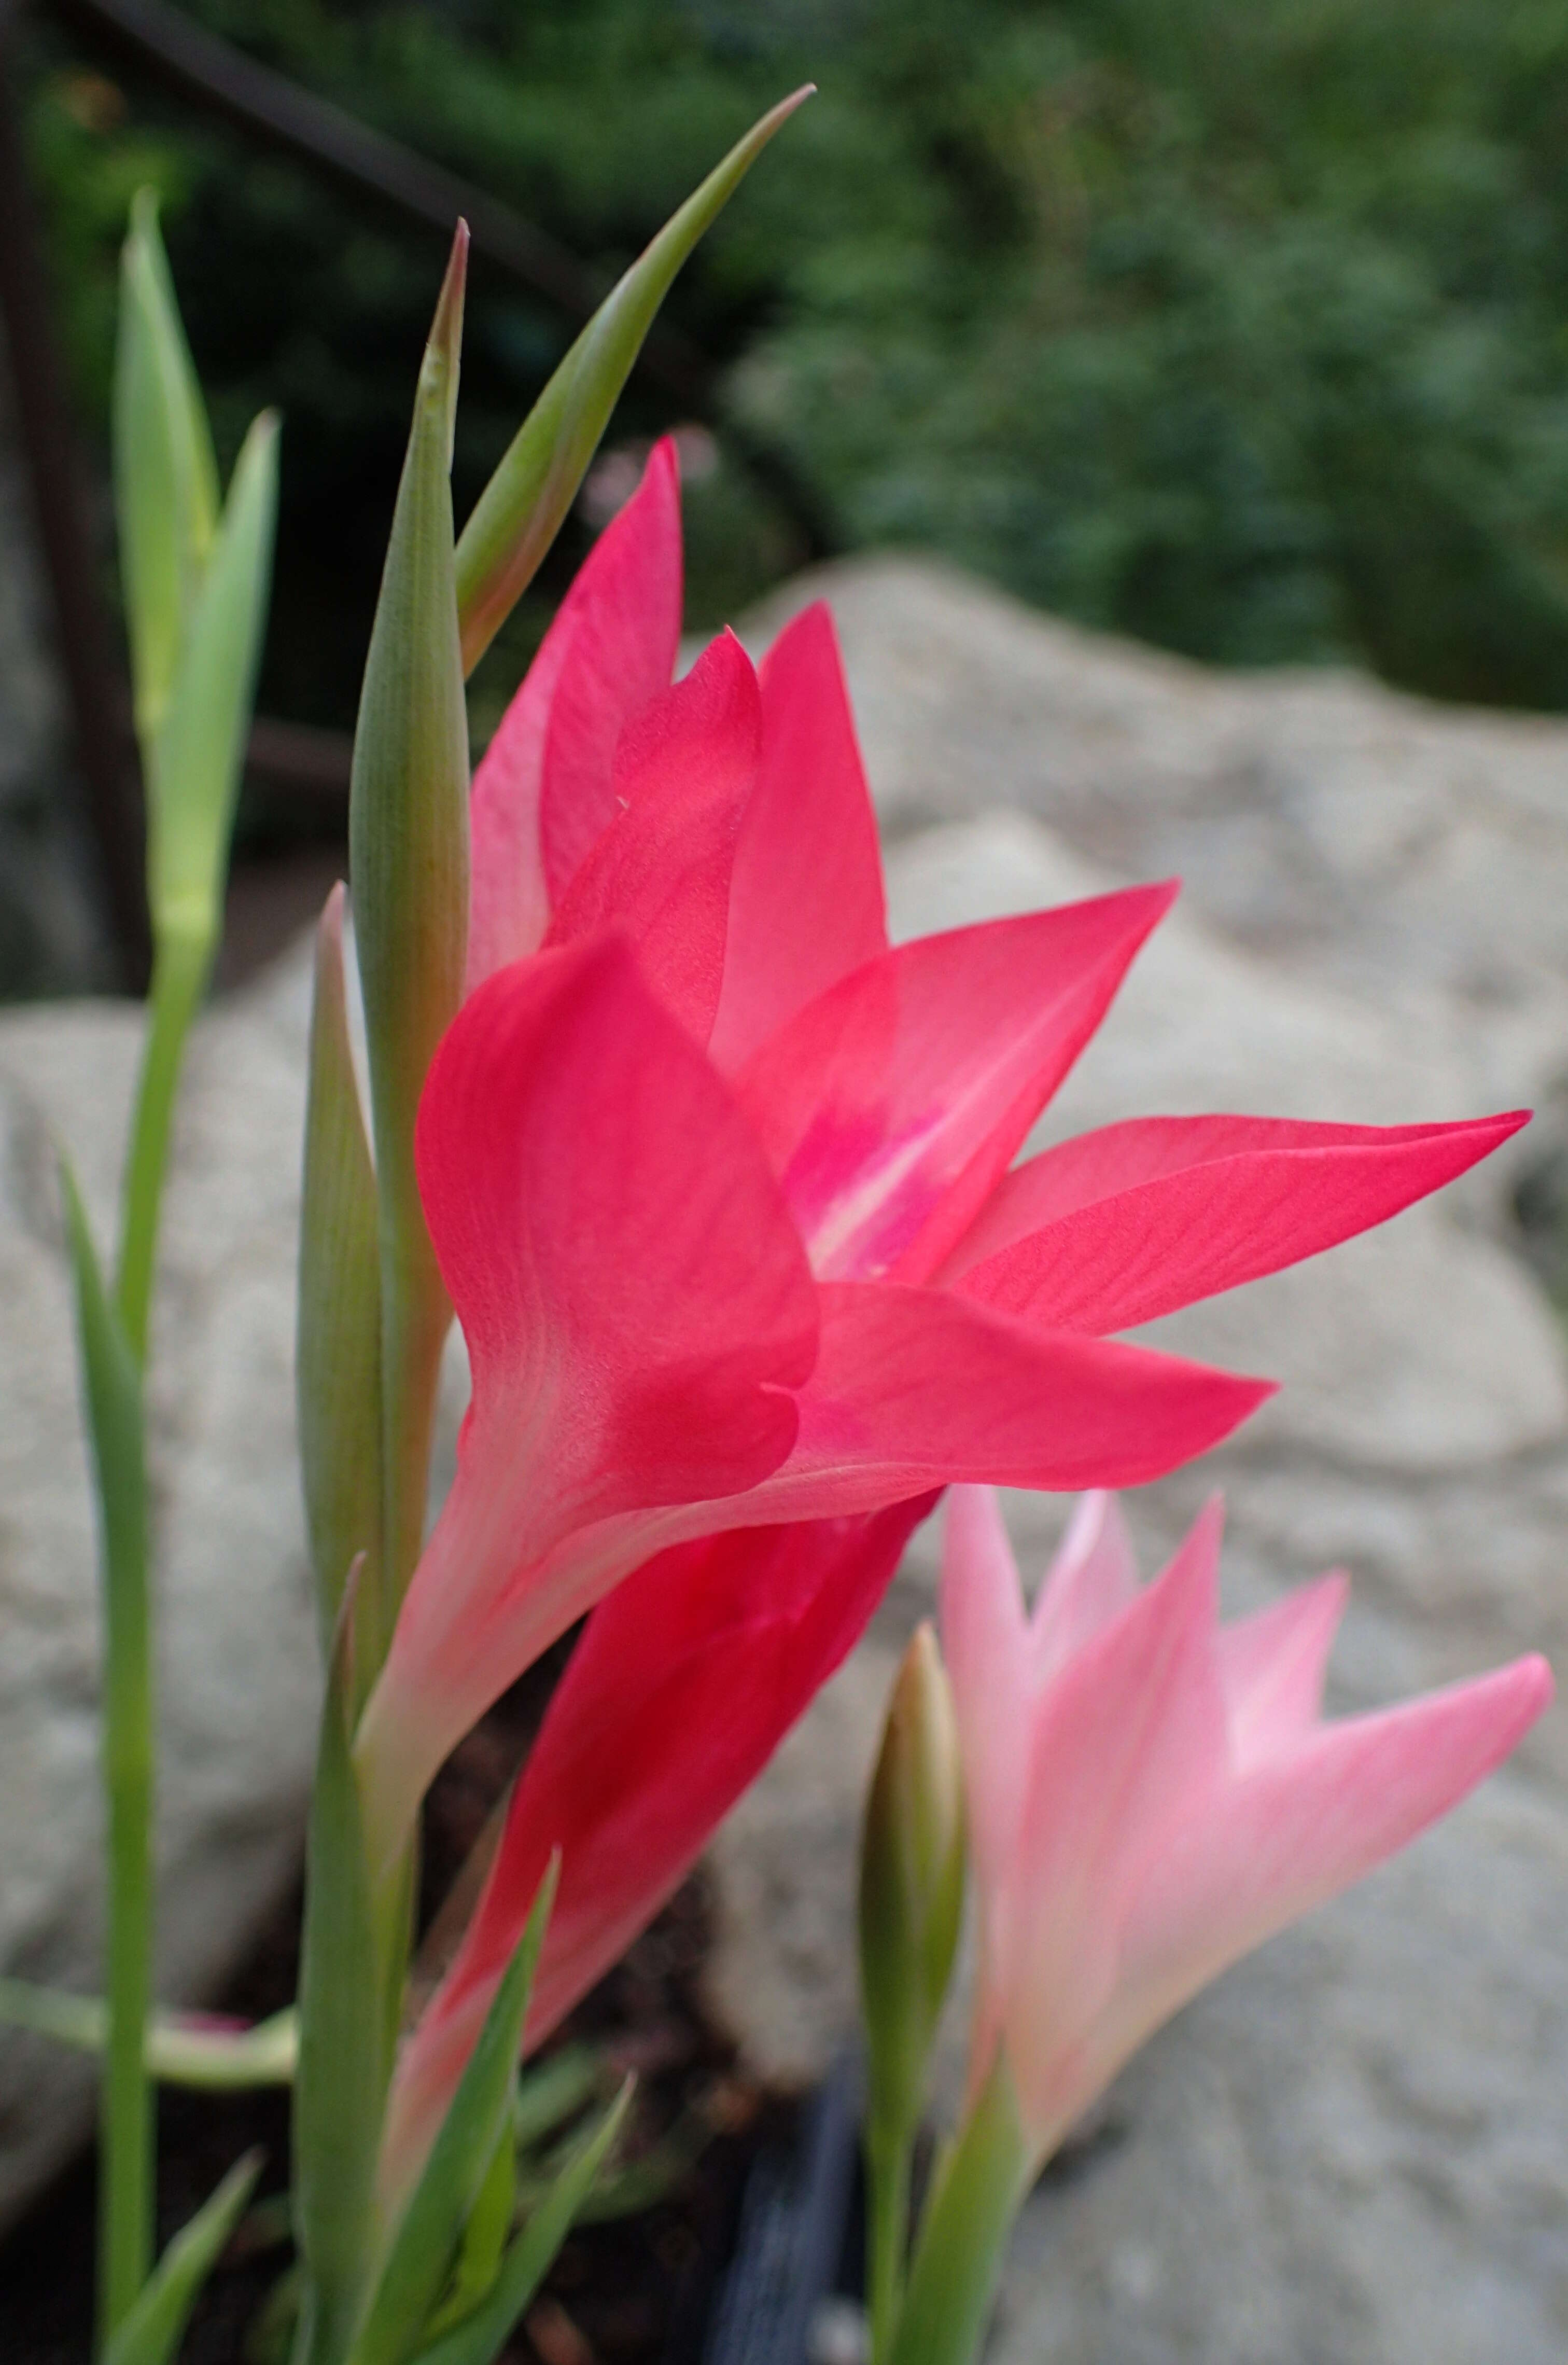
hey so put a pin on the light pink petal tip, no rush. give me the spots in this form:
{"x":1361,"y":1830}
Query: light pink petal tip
{"x":1093,"y":1577}
{"x":1274,"y":1664}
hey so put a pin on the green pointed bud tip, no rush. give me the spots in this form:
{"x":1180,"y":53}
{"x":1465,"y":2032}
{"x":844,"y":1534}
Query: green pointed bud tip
{"x":144,"y":207}
{"x":444,"y":349}
{"x":911,"y":1881}
{"x":521,"y":511}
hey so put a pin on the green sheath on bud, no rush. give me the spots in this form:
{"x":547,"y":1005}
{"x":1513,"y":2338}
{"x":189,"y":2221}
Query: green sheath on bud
{"x":911,"y":1883}
{"x":521,"y":510}
{"x":409,"y":874}
{"x":911,"y":1899}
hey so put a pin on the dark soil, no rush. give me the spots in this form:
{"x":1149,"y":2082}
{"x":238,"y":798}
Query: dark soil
{"x":636,"y":2289}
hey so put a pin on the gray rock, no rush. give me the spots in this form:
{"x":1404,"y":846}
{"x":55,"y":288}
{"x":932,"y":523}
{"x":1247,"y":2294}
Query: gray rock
{"x":1344,"y":830}
{"x":238,"y":1676}
{"x":1356,"y":2145}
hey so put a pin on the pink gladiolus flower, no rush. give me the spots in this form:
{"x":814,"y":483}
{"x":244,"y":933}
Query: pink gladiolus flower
{"x":1151,"y":1794}
{"x":720,"y":1185}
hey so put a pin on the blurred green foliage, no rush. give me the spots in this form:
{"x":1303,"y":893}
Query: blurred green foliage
{"x":1241,"y":325}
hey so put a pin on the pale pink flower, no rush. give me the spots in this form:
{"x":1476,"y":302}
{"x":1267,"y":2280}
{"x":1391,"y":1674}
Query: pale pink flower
{"x":1152,"y":1793}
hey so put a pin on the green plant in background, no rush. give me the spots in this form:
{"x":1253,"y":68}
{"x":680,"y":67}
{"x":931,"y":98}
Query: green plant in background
{"x":1237,"y":328}
{"x":195,"y":575}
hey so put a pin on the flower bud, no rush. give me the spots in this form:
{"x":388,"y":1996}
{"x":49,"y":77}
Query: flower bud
{"x":912,"y":1886}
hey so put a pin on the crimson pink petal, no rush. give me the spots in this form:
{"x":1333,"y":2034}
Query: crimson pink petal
{"x":622,"y":653}
{"x":806,"y":904}
{"x":915,"y":1388}
{"x":610,"y":648}
{"x":634,"y":1301}
{"x":891,"y":1105}
{"x":661,"y":869}
{"x":1120,"y":1225}
{"x":686,"y":1679}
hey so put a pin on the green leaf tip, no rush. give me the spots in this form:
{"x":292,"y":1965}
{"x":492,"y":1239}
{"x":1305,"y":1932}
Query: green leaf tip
{"x":195,"y":761}
{"x":151,"y":2332}
{"x":520,"y":512}
{"x":481,"y":2337}
{"x":443,"y":350}
{"x":408,"y":871}
{"x":165,"y":472}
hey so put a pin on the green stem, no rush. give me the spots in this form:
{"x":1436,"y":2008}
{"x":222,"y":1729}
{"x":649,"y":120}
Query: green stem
{"x":127,"y":2130}
{"x":179,"y":974}
{"x":887,"y":2160}
{"x":963,"y":2236}
{"x":127,"y":2137}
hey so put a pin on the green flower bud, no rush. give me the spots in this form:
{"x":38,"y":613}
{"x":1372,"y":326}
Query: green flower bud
{"x":912,"y":1888}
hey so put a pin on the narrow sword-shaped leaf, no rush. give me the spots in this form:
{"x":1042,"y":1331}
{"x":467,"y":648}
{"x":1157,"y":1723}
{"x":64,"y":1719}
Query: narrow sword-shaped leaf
{"x":484,"y":2238}
{"x":165,"y":475}
{"x":196,"y":756}
{"x":519,"y":514}
{"x":408,"y":868}
{"x":151,"y":2332}
{"x":338,"y":1349}
{"x":423,"y":2240}
{"x":193,"y":778}
{"x":117,"y":1427}
{"x":481,"y":2338}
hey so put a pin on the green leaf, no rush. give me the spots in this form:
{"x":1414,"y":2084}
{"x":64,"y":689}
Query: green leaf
{"x":196,"y":758}
{"x":963,"y":2236}
{"x":116,"y":1425}
{"x":482,"y":2336}
{"x":346,"y":2035}
{"x":556,"y":2090}
{"x":519,"y":514}
{"x":178,"y":2050}
{"x":150,"y":2333}
{"x":338,"y":1350}
{"x":423,"y":2245}
{"x":408,"y":866}
{"x":485,"y":2236}
{"x":165,"y":475}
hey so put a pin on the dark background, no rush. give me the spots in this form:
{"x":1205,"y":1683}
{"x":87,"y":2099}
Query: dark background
{"x":1239,"y":326}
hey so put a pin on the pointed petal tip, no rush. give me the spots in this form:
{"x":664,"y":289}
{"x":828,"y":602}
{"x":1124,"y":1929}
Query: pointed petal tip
{"x":1535,"y":1686}
{"x":330,"y":923}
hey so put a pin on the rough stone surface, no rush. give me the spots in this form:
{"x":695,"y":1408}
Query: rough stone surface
{"x":1355,"y":2145}
{"x":238,"y":1677}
